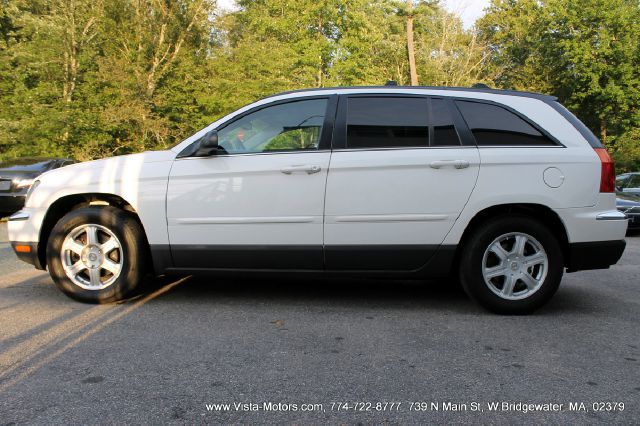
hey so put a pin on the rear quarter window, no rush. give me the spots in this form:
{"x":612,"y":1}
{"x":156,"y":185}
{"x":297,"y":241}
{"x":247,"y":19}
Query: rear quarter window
{"x":493,"y":125}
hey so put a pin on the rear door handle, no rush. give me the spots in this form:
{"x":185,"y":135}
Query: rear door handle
{"x":458,"y":164}
{"x":308,"y":169}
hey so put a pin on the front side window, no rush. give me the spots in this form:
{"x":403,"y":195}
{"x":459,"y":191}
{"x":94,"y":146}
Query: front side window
{"x":494,"y":125}
{"x":621,"y":182}
{"x":387,"y":122}
{"x":634,"y":182}
{"x":286,"y":127}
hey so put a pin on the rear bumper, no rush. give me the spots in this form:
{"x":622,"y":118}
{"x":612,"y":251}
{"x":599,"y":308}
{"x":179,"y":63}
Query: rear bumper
{"x":27,"y":252}
{"x":634,"y":220}
{"x":594,"y":255}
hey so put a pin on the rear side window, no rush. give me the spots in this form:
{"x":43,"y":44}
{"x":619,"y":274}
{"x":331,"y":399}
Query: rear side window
{"x":494,"y":125}
{"x":444,"y":132}
{"x":387,"y":122}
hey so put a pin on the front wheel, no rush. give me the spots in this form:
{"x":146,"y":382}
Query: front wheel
{"x":96,"y":254}
{"x":511,"y":265}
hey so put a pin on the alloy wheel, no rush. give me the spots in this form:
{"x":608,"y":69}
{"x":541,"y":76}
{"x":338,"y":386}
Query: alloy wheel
{"x":92,"y":256}
{"x":514,"y":266}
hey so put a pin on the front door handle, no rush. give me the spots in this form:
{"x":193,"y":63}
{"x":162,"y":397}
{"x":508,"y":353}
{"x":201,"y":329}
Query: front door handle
{"x":458,"y":164}
{"x":308,"y":169}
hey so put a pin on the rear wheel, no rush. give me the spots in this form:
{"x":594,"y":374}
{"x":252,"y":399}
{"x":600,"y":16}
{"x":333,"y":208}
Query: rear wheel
{"x":97,"y":254}
{"x":511,"y":265}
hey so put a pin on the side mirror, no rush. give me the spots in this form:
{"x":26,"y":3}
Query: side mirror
{"x":208,"y":144}
{"x":619,"y":188}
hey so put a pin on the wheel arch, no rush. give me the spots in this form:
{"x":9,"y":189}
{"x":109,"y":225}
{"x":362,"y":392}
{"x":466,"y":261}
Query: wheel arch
{"x":536,"y":211}
{"x":68,"y":203}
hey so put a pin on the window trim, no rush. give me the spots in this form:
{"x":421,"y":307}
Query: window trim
{"x":553,"y":139}
{"x":325,"y":136}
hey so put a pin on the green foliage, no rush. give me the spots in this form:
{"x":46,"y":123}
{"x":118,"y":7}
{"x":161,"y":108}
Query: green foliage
{"x":586,"y":52}
{"x":301,"y":138}
{"x":626,"y":151}
{"x":92,"y":78}
{"x":95,"y":78}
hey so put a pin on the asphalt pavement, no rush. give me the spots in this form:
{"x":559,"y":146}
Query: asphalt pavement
{"x":318,"y":351}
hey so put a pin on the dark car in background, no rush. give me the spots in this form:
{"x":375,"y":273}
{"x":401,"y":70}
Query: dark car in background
{"x":628,"y":198}
{"x":17,"y":176}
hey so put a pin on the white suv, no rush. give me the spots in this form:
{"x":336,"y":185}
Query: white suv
{"x":501,"y":189}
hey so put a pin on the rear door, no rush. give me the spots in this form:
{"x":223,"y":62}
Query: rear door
{"x":399,"y":177}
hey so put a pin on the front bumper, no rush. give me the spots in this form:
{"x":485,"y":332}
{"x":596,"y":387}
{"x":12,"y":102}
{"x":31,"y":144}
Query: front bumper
{"x":594,"y":255}
{"x":27,"y":252}
{"x":23,"y":228}
{"x":11,"y":203}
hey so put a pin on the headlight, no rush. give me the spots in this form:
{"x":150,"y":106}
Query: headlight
{"x":24,"y":183}
{"x":30,"y":191}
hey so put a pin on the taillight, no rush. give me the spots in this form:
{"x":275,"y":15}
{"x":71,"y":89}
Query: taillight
{"x":608,"y":174}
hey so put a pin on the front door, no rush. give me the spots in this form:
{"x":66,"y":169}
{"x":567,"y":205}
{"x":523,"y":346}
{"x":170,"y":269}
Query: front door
{"x":258,"y":203}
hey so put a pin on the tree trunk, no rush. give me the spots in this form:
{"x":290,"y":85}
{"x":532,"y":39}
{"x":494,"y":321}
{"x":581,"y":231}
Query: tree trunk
{"x":603,"y":130}
{"x":71,"y":54}
{"x":74,"y":41}
{"x":410,"y":47}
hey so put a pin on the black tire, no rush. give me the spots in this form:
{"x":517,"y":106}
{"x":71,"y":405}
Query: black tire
{"x":471,"y":265}
{"x":133,"y":245}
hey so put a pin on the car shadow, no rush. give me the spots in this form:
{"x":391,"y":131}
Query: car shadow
{"x":339,"y":291}
{"x":434,"y":296}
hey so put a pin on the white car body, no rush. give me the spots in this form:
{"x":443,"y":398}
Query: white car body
{"x":412,"y":201}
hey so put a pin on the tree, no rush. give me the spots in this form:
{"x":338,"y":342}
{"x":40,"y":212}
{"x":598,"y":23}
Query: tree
{"x":371,"y":48}
{"x":449,"y":55}
{"x":101,"y":77}
{"x":591,"y":49}
{"x":91,"y":78}
{"x":512,"y":31}
{"x":585,"y":52}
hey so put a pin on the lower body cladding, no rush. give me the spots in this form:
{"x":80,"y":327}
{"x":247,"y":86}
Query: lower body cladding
{"x":402,"y":261}
{"x":430,"y":261}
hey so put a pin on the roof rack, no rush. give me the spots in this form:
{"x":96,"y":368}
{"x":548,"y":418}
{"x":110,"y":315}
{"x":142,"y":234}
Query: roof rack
{"x":476,"y":89}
